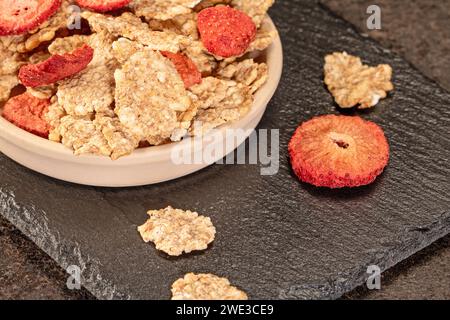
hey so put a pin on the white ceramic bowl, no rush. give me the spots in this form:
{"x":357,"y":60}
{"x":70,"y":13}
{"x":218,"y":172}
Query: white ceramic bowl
{"x":145,"y":166}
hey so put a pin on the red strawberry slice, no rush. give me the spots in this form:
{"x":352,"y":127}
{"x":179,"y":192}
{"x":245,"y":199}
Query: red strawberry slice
{"x":27,"y":112}
{"x":338,"y":151}
{"x":20,"y":16}
{"x":103,"y":5}
{"x":56,"y":68}
{"x":225,"y":31}
{"x":185,"y":67}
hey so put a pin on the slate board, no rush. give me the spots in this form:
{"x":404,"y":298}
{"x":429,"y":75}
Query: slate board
{"x":277,"y":237}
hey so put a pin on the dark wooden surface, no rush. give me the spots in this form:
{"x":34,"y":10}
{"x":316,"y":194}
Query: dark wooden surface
{"x":303,"y":68}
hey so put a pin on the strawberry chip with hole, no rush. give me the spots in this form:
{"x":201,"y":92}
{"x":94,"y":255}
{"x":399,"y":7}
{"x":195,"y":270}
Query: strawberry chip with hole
{"x":20,"y":16}
{"x":338,"y":151}
{"x":27,"y":112}
{"x":56,"y":68}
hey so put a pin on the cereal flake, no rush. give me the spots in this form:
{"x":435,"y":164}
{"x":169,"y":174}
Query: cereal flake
{"x":162,"y":9}
{"x":177,"y":231}
{"x":353,"y":83}
{"x":96,"y":81}
{"x":264,"y":37}
{"x":205,"y":287}
{"x":102,"y":136}
{"x":7,"y":83}
{"x":81,"y":135}
{"x":158,"y":96}
{"x":53,"y":117}
{"x":256,"y":9}
{"x":129,"y":26}
{"x":219,"y":101}
{"x":97,"y":85}
{"x":246,"y":72}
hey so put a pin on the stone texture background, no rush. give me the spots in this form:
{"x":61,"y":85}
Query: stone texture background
{"x":419,"y":31}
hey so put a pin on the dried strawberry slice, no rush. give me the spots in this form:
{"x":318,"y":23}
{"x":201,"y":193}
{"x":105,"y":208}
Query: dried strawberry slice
{"x":185,"y":67}
{"x":56,"y":68}
{"x":338,"y":151}
{"x":20,"y":16}
{"x":225,"y":31}
{"x":103,"y":5}
{"x":27,"y":112}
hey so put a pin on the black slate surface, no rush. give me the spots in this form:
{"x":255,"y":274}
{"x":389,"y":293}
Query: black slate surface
{"x":276,"y":236}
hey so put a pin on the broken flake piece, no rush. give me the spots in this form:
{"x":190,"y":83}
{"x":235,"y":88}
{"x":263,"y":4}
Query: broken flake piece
{"x":246,"y":72}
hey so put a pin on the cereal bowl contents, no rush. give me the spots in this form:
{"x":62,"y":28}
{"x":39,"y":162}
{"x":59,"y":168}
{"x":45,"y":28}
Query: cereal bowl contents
{"x":142,"y":75}
{"x":124,"y":86}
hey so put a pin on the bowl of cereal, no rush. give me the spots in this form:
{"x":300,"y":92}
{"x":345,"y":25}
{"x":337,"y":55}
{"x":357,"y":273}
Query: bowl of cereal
{"x":134,"y":98}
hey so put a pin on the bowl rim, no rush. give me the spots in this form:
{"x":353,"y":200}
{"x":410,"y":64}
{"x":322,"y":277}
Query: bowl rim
{"x":55,"y":150}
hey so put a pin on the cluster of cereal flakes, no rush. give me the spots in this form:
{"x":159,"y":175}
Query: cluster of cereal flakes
{"x":131,"y":94}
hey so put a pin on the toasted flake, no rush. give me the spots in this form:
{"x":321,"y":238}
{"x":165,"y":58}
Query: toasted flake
{"x":219,"y":93}
{"x":157,"y":96}
{"x":102,"y":136}
{"x":177,"y":231}
{"x":124,"y":48}
{"x":96,"y":82}
{"x":210,"y":3}
{"x":162,"y":9}
{"x":208,"y":119}
{"x":256,"y":9}
{"x":44,"y":92}
{"x":205,"y":287}
{"x":38,"y":57}
{"x":205,"y":62}
{"x":12,"y":42}
{"x":10,"y":61}
{"x":264,"y":37}
{"x":185,"y":24}
{"x":246,"y":72}
{"x":7,"y":83}
{"x":215,"y":93}
{"x":119,"y":140}
{"x":68,"y":44}
{"x":219,"y":101}
{"x":129,"y":26}
{"x":354,"y":84}
{"x":81,"y":135}
{"x":53,"y":117}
